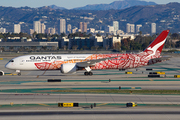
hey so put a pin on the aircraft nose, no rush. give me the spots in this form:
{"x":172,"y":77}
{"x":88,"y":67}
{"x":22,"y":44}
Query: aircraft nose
{"x":7,"y":65}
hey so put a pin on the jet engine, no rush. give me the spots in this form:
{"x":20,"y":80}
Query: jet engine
{"x":1,"y":73}
{"x":68,"y":68}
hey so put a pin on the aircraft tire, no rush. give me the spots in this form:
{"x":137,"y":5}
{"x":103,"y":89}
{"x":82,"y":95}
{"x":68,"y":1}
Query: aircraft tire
{"x":1,"y":73}
{"x":90,"y":73}
{"x":86,"y":73}
{"x":19,"y":74}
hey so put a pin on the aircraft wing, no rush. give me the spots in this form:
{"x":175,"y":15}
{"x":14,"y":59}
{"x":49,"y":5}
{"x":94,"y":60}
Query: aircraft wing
{"x":162,"y":58}
{"x":93,"y":62}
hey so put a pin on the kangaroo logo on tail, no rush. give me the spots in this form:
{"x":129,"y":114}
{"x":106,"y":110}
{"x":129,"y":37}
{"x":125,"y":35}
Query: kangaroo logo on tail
{"x":156,"y":46}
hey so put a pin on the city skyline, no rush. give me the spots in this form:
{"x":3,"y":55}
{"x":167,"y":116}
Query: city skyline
{"x":96,"y":22}
{"x":60,"y":3}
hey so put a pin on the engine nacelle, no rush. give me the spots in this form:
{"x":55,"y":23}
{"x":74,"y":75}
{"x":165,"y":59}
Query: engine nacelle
{"x":1,"y":73}
{"x":68,"y":68}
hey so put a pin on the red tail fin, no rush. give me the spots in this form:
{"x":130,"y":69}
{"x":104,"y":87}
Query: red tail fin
{"x":158,"y":43}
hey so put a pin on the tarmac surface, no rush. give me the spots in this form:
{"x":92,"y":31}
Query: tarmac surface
{"x":31,"y":96}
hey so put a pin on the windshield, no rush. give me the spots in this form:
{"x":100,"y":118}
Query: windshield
{"x":11,"y":61}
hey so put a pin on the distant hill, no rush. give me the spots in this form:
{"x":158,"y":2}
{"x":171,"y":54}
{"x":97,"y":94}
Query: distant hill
{"x":56,"y":7}
{"x":165,"y":16}
{"x":116,"y":5}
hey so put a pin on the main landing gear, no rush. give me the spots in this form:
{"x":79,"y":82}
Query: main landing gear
{"x":88,"y":73}
{"x":88,"y":69}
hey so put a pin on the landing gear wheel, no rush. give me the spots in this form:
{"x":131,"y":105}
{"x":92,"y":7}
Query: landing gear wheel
{"x":19,"y":74}
{"x":86,"y":73}
{"x":1,"y":73}
{"x":90,"y":73}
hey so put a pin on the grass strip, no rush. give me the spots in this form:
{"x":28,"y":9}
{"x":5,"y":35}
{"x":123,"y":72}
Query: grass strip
{"x":92,"y":91}
{"x":150,"y":92}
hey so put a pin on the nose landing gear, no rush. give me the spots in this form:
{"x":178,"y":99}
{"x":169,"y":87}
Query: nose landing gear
{"x":18,"y":72}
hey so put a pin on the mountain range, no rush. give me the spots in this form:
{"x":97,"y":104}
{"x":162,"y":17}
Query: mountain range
{"x":165,"y":16}
{"x":114,"y":5}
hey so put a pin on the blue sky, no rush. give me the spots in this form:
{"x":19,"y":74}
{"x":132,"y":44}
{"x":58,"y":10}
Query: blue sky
{"x":65,"y":3}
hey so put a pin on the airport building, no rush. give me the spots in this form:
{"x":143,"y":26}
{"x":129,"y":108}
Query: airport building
{"x":28,"y":46}
{"x":89,"y":43}
{"x":80,"y":43}
{"x":110,"y":43}
{"x":63,"y":43}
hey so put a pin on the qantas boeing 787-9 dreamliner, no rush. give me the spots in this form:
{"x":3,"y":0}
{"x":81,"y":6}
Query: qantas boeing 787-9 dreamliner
{"x":70,"y":63}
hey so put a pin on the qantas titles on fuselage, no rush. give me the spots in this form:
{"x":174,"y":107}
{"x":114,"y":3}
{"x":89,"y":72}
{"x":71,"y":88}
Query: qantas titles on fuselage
{"x":50,"y":58}
{"x":43,"y":58}
{"x":71,"y":63}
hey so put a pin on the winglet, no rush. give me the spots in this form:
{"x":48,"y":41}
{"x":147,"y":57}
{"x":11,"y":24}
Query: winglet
{"x":158,"y":43}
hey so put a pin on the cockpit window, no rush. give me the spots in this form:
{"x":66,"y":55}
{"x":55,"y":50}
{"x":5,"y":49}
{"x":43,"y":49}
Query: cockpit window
{"x":11,"y":61}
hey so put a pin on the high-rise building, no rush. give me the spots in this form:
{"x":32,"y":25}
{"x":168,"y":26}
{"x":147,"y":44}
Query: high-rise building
{"x":2,"y":30}
{"x":17,"y":28}
{"x":62,"y":26}
{"x":153,"y":28}
{"x":74,"y":30}
{"x":51,"y":31}
{"x":138,"y":28}
{"x":83,"y":27}
{"x":37,"y":26}
{"x":69,"y":28}
{"x":43,"y":28}
{"x":116,"y":25}
{"x":110,"y":29}
{"x":31,"y":31}
{"x":130,"y":28}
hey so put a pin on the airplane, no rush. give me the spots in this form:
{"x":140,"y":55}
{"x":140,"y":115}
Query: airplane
{"x":71,"y":63}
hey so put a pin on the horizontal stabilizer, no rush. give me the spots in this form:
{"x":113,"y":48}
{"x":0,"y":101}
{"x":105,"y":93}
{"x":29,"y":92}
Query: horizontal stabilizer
{"x":162,"y":58}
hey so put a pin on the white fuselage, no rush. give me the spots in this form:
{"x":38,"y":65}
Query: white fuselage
{"x":28,"y":62}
